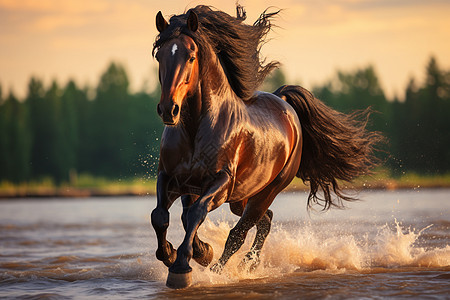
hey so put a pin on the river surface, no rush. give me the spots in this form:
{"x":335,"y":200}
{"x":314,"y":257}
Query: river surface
{"x":392,"y":244}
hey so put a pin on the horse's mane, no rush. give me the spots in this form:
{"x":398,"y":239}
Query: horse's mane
{"x":237,"y":45}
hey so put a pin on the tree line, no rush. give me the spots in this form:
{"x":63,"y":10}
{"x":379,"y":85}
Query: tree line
{"x":417,"y":129}
{"x":60,"y":131}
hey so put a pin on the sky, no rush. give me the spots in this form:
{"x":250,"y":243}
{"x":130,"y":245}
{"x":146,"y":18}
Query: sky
{"x":77,"y":39}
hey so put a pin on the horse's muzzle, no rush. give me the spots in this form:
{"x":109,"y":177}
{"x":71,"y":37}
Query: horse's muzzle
{"x":169,"y":113}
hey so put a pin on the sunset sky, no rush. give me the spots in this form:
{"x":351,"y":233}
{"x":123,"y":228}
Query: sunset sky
{"x":54,"y":39}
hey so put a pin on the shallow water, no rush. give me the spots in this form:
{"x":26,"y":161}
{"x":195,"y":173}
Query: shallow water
{"x":391,"y":244}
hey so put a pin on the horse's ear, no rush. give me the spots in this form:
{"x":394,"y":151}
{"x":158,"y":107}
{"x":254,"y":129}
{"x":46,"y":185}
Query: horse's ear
{"x":192,"y":21}
{"x":161,"y":23}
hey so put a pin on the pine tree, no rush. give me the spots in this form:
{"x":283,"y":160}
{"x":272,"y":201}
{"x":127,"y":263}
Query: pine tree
{"x":110,"y":126}
{"x":14,"y":140}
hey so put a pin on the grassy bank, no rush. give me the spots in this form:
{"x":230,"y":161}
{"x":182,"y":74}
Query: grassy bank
{"x":87,"y":186}
{"x":383,"y":179}
{"x":82,"y":186}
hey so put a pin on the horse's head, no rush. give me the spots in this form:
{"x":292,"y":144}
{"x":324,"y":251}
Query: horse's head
{"x":178,"y":70}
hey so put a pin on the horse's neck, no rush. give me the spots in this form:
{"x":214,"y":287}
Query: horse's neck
{"x":215,"y":90}
{"x":191,"y":115}
{"x":213,"y":95}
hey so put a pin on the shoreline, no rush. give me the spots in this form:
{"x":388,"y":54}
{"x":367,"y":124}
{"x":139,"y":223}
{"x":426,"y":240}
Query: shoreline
{"x":16,"y":192}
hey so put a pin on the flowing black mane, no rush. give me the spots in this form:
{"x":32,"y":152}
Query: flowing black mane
{"x":237,"y":45}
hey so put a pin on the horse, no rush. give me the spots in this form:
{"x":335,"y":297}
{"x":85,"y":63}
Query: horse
{"x":226,"y":142}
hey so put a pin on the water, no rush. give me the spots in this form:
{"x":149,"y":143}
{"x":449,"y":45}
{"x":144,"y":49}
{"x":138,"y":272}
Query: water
{"x":392,"y":244}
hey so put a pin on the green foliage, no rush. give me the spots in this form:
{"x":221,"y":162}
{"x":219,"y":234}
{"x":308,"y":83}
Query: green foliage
{"x":422,"y":131}
{"x":274,"y":81}
{"x":59,"y":132}
{"x":418,"y":129}
{"x":15,"y":140}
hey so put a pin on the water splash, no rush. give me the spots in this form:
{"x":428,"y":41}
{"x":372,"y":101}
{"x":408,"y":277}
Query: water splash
{"x":307,"y":248}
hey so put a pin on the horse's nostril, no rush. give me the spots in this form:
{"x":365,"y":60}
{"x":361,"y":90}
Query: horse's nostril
{"x":158,"y":109}
{"x":175,"y":110}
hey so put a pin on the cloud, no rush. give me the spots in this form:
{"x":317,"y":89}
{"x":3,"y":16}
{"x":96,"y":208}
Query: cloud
{"x":47,"y":16}
{"x":55,"y":22}
{"x":53,"y":6}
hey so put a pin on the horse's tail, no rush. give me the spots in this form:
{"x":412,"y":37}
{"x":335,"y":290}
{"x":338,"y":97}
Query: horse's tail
{"x":335,"y":146}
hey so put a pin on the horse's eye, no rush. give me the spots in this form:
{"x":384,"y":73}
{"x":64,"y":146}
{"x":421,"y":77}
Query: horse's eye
{"x":191,"y":59}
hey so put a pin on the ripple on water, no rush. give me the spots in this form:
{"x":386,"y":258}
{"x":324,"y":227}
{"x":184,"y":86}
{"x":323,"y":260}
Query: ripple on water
{"x":343,"y":256}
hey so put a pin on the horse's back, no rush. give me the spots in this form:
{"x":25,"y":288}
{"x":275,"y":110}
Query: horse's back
{"x":273,"y":107}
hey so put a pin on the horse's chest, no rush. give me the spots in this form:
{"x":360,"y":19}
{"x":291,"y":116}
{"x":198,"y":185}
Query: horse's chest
{"x":192,"y":171}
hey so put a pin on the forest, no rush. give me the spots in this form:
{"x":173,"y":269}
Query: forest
{"x":61,"y":131}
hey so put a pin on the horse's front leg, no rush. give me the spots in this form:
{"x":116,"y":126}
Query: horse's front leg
{"x":180,"y":272}
{"x":160,"y":220}
{"x":202,"y":252}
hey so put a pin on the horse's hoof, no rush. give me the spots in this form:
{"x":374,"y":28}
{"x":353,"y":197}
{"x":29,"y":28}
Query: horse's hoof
{"x":206,"y":256}
{"x":217,"y":268}
{"x":179,"y":281}
{"x":250,"y":262}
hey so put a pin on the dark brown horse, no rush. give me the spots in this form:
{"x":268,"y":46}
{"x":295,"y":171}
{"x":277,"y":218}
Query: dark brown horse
{"x":226,"y":143}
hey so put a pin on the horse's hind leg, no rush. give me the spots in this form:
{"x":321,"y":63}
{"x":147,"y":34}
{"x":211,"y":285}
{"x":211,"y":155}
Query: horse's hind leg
{"x":251,"y":260}
{"x":202,"y":252}
{"x":160,"y":221}
{"x":262,"y":231}
{"x":255,"y":213}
